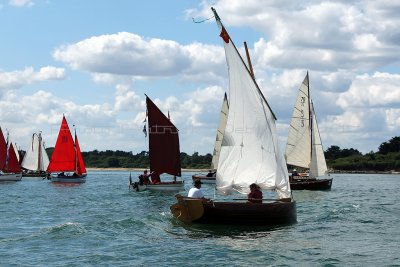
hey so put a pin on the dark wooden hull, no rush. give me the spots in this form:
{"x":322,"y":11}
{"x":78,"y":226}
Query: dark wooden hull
{"x":204,"y":179}
{"x":234,"y":213}
{"x":311,"y":184}
{"x":249,"y":213}
{"x":35,"y":174}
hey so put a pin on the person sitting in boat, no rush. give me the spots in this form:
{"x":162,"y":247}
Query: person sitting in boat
{"x":75,"y":174}
{"x":155,"y":178}
{"x":144,"y":178}
{"x":211,"y":173}
{"x":294,"y":173}
{"x":195,"y":191}
{"x":62,"y":174}
{"x":255,"y":195}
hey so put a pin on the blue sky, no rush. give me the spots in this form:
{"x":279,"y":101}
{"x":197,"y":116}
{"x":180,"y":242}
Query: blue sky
{"x":94,"y":60}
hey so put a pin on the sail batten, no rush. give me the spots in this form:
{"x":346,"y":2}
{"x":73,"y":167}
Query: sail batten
{"x":249,"y":152}
{"x":164,"y":151}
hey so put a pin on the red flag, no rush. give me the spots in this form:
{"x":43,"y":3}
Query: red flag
{"x":225,"y":36}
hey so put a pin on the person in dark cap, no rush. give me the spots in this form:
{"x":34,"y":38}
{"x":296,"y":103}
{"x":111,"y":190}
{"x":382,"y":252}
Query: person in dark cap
{"x":195,"y":191}
{"x":255,"y":195}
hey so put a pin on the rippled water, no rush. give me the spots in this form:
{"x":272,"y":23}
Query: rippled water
{"x":102,"y":223}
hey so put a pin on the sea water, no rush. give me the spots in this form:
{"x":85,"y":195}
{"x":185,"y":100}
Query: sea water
{"x":102,"y":223}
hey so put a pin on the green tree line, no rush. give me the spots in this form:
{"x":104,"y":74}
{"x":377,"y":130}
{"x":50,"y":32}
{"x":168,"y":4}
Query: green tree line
{"x":387,"y":158}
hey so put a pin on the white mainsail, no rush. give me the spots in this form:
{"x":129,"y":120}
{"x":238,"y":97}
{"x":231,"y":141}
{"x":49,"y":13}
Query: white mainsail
{"x":250,"y":151}
{"x":304,"y":146}
{"x":299,"y":140}
{"x":220,"y":132}
{"x":36,"y":158}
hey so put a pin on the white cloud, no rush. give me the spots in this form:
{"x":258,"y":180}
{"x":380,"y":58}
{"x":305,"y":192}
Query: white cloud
{"x":126,"y":54}
{"x":108,"y":56}
{"x":21,"y":3}
{"x":318,"y":35}
{"x":380,"y":89}
{"x":127,"y":100}
{"x":18,"y":79}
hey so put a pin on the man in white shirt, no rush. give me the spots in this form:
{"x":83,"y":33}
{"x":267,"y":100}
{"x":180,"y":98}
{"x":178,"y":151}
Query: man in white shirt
{"x":195,"y":191}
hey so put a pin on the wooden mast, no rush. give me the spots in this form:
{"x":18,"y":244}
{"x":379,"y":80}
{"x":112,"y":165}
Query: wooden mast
{"x":248,"y":60}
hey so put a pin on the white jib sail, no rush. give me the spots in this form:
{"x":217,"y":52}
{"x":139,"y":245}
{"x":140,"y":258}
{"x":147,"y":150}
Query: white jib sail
{"x":45,"y":161}
{"x":220,"y":132}
{"x":298,"y":147}
{"x":249,"y":152}
{"x":318,"y":164}
{"x":16,"y":150}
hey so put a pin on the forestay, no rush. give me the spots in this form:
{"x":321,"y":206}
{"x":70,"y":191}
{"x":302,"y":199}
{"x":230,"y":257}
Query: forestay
{"x":249,"y":152}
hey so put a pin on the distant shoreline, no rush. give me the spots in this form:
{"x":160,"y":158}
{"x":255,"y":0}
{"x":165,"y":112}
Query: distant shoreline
{"x":140,"y":169}
{"x":206,"y":170}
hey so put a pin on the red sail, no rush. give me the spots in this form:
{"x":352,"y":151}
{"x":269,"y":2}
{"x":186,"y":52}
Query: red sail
{"x":3,"y":150}
{"x":63,"y":158}
{"x":80,"y":164}
{"x":13,"y":164}
{"x":163,"y":142}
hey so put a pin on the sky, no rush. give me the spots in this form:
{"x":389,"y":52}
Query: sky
{"x":94,"y":61}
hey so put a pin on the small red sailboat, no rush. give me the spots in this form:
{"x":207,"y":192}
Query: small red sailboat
{"x":66,"y":164}
{"x":9,"y":164}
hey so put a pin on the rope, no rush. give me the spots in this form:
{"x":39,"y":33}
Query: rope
{"x":201,"y":21}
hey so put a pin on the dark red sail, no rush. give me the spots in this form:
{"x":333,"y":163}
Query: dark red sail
{"x":80,"y":164}
{"x":163,"y":142}
{"x":63,"y":158}
{"x":13,"y":164}
{"x":3,"y":150}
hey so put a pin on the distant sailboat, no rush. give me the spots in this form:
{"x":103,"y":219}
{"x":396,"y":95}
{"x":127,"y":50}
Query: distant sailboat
{"x":164,"y":152}
{"x":67,"y":158}
{"x":210,"y":177}
{"x":249,"y":154}
{"x":9,"y":164}
{"x":35,"y":161}
{"x":304,"y":146}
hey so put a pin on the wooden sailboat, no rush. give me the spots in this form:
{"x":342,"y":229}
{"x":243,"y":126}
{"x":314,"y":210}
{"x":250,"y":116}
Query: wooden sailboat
{"x":304,"y":146}
{"x":249,"y":154}
{"x":35,"y":161}
{"x":211,"y":176}
{"x":164,"y":152}
{"x":9,"y":164}
{"x":66,"y":164}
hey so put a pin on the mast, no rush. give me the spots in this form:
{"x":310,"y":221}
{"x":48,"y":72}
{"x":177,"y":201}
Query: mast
{"x":39,"y":151}
{"x":310,"y":118}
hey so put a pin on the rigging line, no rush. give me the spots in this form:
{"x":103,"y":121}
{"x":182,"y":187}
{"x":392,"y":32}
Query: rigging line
{"x":201,"y":21}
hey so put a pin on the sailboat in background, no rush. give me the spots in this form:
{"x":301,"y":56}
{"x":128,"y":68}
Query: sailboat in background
{"x":210,"y":177}
{"x":249,"y":154}
{"x":304,"y":146}
{"x":35,"y":161}
{"x":67,"y":158}
{"x":9,"y":164}
{"x":164,"y":152}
